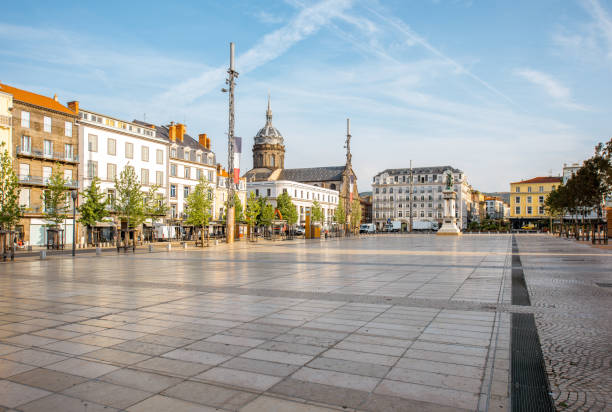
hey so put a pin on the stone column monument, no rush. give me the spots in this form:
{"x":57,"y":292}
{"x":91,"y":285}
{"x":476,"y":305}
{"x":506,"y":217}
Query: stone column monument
{"x":449,"y":223}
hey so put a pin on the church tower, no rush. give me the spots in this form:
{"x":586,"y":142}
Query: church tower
{"x":269,"y":147}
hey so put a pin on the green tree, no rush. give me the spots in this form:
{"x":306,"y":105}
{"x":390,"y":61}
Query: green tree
{"x":339,"y":213}
{"x":93,"y":209}
{"x":130,"y":203}
{"x":252,"y":210}
{"x":10,"y":212}
{"x":155,"y":205}
{"x":316,"y":212}
{"x":267,"y":215}
{"x":238,"y":209}
{"x":199,"y":204}
{"x":287,"y":209}
{"x":55,"y":198}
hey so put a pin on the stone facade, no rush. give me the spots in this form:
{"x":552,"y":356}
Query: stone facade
{"x":268,"y":156}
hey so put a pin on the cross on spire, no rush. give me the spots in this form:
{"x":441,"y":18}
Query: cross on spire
{"x":269,"y":112}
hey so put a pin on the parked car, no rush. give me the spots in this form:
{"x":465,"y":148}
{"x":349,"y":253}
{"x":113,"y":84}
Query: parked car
{"x":300,"y":231}
{"x":393,"y":226}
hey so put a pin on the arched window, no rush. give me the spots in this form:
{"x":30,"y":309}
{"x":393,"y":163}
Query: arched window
{"x":272,"y":160}
{"x":332,"y":186}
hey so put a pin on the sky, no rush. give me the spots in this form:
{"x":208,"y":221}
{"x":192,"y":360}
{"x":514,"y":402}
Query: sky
{"x":503,"y":90}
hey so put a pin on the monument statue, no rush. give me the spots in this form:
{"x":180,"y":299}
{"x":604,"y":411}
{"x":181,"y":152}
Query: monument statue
{"x":449,"y":180}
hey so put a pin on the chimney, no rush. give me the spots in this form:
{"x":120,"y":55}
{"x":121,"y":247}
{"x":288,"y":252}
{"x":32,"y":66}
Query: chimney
{"x":55,"y":97}
{"x":208,"y":143}
{"x":180,"y":131}
{"x":202,"y":139}
{"x":74,"y":106}
{"x":172,"y":132}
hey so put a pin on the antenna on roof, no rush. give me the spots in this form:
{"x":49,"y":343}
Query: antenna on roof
{"x":145,"y":117}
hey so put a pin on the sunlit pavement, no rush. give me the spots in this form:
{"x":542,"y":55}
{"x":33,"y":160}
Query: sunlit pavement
{"x":404,"y":322}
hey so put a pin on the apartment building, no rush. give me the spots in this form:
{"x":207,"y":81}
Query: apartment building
{"x":398,"y":191}
{"x":44,"y":138}
{"x":109,"y":145}
{"x":528,"y":197}
{"x":6,"y":130}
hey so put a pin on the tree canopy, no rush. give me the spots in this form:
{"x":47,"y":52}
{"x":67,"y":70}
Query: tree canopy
{"x":93,"y":209}
{"x":316,"y":212}
{"x":55,"y":198}
{"x":10,"y":211}
{"x":130,"y":204}
{"x":199,"y":205}
{"x":286,"y":207}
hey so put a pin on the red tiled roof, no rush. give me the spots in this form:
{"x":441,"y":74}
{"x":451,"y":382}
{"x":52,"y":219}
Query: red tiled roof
{"x":35,"y":99}
{"x":544,"y":179}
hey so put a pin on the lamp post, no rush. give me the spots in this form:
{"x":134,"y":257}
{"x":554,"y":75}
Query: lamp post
{"x":73,"y":194}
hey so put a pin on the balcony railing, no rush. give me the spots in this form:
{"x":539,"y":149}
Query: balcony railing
{"x":50,"y":156}
{"x":43,"y":181}
{"x":5,"y":121}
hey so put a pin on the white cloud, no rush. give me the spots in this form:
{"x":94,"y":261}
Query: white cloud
{"x":603,"y":22}
{"x":552,"y":87}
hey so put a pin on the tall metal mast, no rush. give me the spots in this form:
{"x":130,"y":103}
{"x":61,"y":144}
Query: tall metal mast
{"x":231,"y":187}
{"x":349,"y":157}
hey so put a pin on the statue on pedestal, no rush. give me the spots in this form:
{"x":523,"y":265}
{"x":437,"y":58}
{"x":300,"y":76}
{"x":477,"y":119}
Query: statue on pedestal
{"x":449,"y":223}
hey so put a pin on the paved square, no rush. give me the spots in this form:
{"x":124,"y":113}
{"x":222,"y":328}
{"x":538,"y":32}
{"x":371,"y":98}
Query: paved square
{"x":406,"y":322}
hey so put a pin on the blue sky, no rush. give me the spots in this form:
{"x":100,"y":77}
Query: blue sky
{"x":502,"y":90}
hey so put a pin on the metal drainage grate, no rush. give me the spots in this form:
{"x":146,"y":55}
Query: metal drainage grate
{"x":520,"y":294}
{"x":604,"y":285}
{"x":530,"y":387}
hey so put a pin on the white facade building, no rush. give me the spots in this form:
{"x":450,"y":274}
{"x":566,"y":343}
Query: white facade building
{"x":393,"y":195}
{"x":496,"y":209}
{"x":302,"y":196}
{"x":108,"y":145}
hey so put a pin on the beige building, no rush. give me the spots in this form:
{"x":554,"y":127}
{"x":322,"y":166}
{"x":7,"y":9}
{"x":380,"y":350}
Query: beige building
{"x":6,"y":132}
{"x":44,"y":137}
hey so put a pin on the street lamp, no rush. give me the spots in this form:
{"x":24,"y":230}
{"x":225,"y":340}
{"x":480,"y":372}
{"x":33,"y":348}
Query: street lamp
{"x":73,"y":194}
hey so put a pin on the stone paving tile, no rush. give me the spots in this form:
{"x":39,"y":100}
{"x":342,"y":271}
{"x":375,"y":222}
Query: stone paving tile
{"x":10,"y":368}
{"x":57,"y":402}
{"x":116,"y":356}
{"x":326,"y":394}
{"x":210,"y":395}
{"x":261,"y":366}
{"x":269,"y":404}
{"x":80,"y":367}
{"x":190,"y":355}
{"x":172,"y":366}
{"x":441,"y":380}
{"x":234,"y":377}
{"x":145,"y":381}
{"x":333,"y":378}
{"x":276,"y":356}
{"x":34,"y":357}
{"x":71,"y":348}
{"x":6,"y":349}
{"x":362,"y":356}
{"x":159,"y":403}
{"x":14,"y":394}
{"x":352,"y":367}
{"x":145,"y":348}
{"x":115,"y":396}
{"x":47,"y":379}
{"x":446,"y":397}
{"x":29,"y":340}
{"x":441,"y":367}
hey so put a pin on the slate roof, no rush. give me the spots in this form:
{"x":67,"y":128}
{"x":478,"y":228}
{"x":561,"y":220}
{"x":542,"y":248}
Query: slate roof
{"x":36,"y":99}
{"x":420,"y":170}
{"x":313,"y":174}
{"x":188,"y":141}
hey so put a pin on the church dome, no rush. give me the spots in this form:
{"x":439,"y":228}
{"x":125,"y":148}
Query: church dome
{"x":269,"y":134}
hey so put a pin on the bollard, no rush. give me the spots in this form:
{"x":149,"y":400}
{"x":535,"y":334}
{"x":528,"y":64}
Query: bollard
{"x":168,"y":247}
{"x":216,"y":242}
{"x":150,"y":248}
{"x":185,"y":245}
{"x":43,"y":254}
{"x":98,"y":251}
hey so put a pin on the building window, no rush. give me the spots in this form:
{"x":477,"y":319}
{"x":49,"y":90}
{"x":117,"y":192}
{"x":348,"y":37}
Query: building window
{"x":541,"y":199}
{"x":24,"y":171}
{"x":111,"y":171}
{"x":528,"y":189}
{"x":47,"y":124}
{"x":129,"y":150}
{"x":144,"y":153}
{"x":68,"y":129}
{"x":517,"y":199}
{"x":47,"y":171}
{"x":541,"y":189}
{"x":187,"y":172}
{"x":517,"y":210}
{"x":111,"y":147}
{"x":159,"y":154}
{"x":144,"y":176}
{"x":172,"y":169}
{"x":173,"y":191}
{"x":518,"y":189}
{"x":528,"y":199}
{"x":173,"y":152}
{"x":68,"y":176}
{"x":25,"y":119}
{"x":541,"y":210}
{"x":159,"y":178}
{"x":110,"y":196}
{"x":269,"y":191}
{"x":92,"y":143}
{"x":553,"y":187}
{"x":529,"y":209}
{"x":92,"y":169}
{"x":48,"y":148}
{"x":173,"y":211}
{"x":186,"y":192}
{"x":26,"y":144}
{"x":68,"y":152}
{"x":24,"y":198}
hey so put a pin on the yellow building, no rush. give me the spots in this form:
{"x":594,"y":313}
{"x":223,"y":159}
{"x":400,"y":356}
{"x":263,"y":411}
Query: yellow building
{"x":527,"y":199}
{"x":6,"y":132}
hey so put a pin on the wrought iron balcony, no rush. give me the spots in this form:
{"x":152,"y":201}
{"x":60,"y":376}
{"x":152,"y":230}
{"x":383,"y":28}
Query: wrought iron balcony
{"x":39,"y":154}
{"x":43,"y":181}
